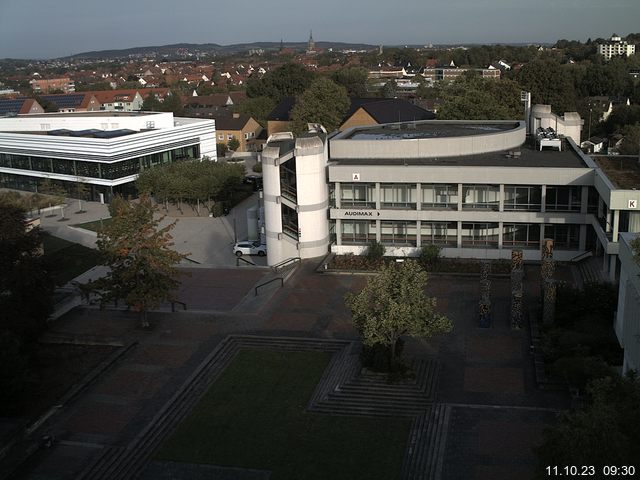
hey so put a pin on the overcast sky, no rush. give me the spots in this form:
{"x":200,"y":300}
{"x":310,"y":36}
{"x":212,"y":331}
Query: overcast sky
{"x":54,"y":28}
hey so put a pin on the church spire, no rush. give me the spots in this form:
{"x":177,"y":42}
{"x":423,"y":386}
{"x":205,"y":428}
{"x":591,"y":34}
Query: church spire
{"x":311,"y":45}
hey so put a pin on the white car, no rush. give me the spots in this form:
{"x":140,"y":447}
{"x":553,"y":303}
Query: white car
{"x":249,"y":248}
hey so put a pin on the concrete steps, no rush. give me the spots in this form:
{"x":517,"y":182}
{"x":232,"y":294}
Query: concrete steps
{"x":117,"y":463}
{"x":424,"y":454}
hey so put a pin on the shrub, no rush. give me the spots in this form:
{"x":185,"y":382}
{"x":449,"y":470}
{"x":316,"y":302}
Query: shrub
{"x":375,"y":251}
{"x":257,"y":167}
{"x":429,"y":255}
{"x":376,"y":357}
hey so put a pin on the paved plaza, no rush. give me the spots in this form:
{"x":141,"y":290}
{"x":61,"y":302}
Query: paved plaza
{"x":496,"y":413}
{"x":492,"y":411}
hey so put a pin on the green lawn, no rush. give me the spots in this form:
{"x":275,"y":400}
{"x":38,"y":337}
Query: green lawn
{"x":254,"y":417}
{"x":67,"y":260}
{"x":94,"y":226}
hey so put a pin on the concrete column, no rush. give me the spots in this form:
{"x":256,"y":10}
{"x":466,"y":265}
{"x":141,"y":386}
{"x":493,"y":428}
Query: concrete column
{"x":501,"y":201}
{"x":616,"y":224}
{"x":582,"y":239}
{"x":418,"y":196}
{"x":378,"y":196}
{"x":584,"y":199}
{"x":500,"y":234}
{"x":418,"y":233}
{"x":541,"y":237}
{"x":338,"y":193}
{"x":600,"y":207}
{"x":338,"y":231}
{"x":605,"y":262}
{"x":543,"y":199}
{"x":608,"y":229}
{"x":459,"y":198}
{"x":378,"y":233}
{"x":459,"y":234}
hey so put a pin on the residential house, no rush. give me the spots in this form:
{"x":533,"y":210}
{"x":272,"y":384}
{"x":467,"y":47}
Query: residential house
{"x":119,"y":100}
{"x":616,"y":47}
{"x":243,"y":128}
{"x":593,"y":145}
{"x":74,"y":102}
{"x":41,"y":85}
{"x":19,"y":106}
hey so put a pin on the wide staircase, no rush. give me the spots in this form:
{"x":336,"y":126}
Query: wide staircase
{"x":343,"y":390}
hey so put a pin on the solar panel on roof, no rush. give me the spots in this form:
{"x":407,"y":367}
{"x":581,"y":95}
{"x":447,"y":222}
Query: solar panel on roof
{"x":65,"y":101}
{"x":10,"y":106}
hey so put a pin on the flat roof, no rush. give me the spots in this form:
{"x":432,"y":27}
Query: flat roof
{"x":100,"y":113}
{"x":622,"y":170}
{"x":428,"y":129}
{"x":529,"y":157}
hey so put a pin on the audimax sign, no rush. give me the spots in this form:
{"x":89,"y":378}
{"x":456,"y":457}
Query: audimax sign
{"x":361,"y":213}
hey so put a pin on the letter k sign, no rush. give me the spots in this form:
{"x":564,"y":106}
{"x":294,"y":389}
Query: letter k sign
{"x":633,"y":204}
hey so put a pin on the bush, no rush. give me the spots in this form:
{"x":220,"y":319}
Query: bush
{"x":429,"y":255}
{"x":257,"y":167}
{"x":375,"y":251}
{"x":579,"y":371}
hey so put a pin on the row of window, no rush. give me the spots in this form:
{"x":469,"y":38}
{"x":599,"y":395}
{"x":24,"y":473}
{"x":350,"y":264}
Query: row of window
{"x":446,"y":196}
{"x":109,"y":171}
{"x":483,"y":234}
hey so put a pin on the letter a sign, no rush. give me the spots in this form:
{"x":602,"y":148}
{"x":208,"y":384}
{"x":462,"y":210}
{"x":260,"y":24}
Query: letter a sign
{"x":355,"y":177}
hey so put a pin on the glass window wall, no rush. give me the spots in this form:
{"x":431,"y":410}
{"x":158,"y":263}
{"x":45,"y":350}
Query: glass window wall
{"x":484,"y":197}
{"x":525,"y":235}
{"x":398,"y":195}
{"x":358,"y":232}
{"x":398,"y":233}
{"x":443,"y":195}
{"x":439,"y":233}
{"x":522,"y":198}
{"x":480,"y":235}
{"x":358,"y":195}
{"x":563,"y":199}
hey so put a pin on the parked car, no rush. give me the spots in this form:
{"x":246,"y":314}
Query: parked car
{"x":249,"y":248}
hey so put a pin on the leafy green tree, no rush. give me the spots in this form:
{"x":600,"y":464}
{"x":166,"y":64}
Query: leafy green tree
{"x":258,"y":108}
{"x":323,"y":102}
{"x":172,"y":103}
{"x":604,"y":432}
{"x":142,"y":265}
{"x":392,"y":304}
{"x":474,"y":98}
{"x":631,"y":143}
{"x":151,"y":103}
{"x":25,"y":283}
{"x":549,"y":84}
{"x":233,"y":144}
{"x":354,"y":79}
{"x":221,"y":149}
{"x":390,"y":89}
{"x":288,"y":80}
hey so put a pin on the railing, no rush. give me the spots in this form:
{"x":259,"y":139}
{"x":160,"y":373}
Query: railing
{"x":240,"y":259}
{"x":581,"y":256}
{"x":268,"y":282}
{"x":278,"y":267}
{"x":173,"y":305}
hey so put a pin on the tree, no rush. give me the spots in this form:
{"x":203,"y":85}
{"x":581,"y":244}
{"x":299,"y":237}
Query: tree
{"x":151,"y":103}
{"x":390,"y":89}
{"x":354,"y":79}
{"x":258,"y":108}
{"x":604,"y":432}
{"x":142,"y":265}
{"x":221,"y":149}
{"x":392,"y":304}
{"x":549,"y":84}
{"x":26,"y":288}
{"x":233,"y":144}
{"x":323,"y":102}
{"x":288,"y":80}
{"x":631,"y":143}
{"x":471,"y":97}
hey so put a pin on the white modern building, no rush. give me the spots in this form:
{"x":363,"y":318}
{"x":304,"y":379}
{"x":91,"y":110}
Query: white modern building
{"x":478,"y":189}
{"x":616,"y":47}
{"x":627,"y":325}
{"x":105,"y":150}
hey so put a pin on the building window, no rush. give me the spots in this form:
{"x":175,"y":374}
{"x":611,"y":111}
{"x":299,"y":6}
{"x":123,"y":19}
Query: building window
{"x":398,"y":233}
{"x":288,"y":181}
{"x":290,"y":222}
{"x":480,"y":235}
{"x":359,"y":195}
{"x":358,"y":232}
{"x":443,"y":195}
{"x":565,"y":237}
{"x":522,"y":198}
{"x":439,"y":233}
{"x":151,"y":125}
{"x":396,"y":195}
{"x":221,"y":137}
{"x":563,"y":199}
{"x":526,"y":235}
{"x":484,"y":197}
{"x":229,"y":137}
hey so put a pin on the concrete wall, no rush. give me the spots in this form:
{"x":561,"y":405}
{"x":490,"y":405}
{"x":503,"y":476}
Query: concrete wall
{"x":627,"y":322}
{"x":344,"y":148}
{"x":84,"y":121}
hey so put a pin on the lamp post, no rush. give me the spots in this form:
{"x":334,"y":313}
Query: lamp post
{"x":590,"y":110}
